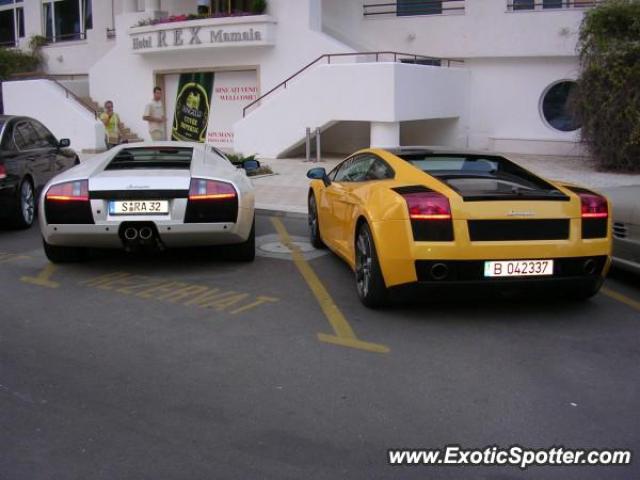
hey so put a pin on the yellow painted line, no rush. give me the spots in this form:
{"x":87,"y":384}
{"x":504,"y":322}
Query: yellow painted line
{"x":621,"y":298}
{"x":43,"y":279}
{"x":344,"y":334}
{"x":9,"y":257}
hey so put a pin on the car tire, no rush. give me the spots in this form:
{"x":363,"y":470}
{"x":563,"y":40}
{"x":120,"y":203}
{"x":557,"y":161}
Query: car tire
{"x":58,"y":254}
{"x":25,"y":211}
{"x":245,"y":251}
{"x":369,"y":280}
{"x":314,"y":223}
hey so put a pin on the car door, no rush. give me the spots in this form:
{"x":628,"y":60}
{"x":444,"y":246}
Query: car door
{"x":344,"y":204}
{"x":329,"y":212}
{"x":32,"y":152}
{"x":370,"y":171}
{"x":59,"y":161}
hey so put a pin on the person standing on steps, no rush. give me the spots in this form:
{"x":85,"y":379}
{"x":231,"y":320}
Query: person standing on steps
{"x":155,"y":117}
{"x":112,"y":125}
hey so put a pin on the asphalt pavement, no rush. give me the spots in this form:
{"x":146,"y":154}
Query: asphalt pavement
{"x":182,"y":365}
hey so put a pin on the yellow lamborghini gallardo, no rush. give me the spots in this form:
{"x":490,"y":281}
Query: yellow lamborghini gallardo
{"x":446,"y":218}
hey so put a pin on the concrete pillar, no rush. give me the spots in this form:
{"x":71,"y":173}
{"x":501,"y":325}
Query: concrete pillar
{"x":385,"y":134}
{"x":151,"y":6}
{"x":129,"y":6}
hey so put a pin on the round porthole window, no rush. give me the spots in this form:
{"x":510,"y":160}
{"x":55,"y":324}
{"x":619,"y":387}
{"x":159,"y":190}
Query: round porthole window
{"x":556,"y":109}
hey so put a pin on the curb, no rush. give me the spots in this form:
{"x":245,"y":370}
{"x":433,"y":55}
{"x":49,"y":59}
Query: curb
{"x":280,"y":213}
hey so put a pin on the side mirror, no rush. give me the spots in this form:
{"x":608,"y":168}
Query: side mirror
{"x":319,"y":173}
{"x":64,"y":143}
{"x":250,"y":165}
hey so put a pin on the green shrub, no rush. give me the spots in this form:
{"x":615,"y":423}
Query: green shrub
{"x":607,"y":100}
{"x":239,"y":158}
{"x":14,"y":61}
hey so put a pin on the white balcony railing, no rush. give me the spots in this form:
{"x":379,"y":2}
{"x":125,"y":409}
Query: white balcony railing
{"x":549,"y":5}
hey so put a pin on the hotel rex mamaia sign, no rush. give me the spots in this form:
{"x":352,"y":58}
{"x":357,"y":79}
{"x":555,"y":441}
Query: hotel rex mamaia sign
{"x":255,"y":30}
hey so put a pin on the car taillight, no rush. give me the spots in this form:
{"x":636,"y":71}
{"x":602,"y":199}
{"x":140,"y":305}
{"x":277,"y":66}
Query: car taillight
{"x":201,"y":189}
{"x":211,"y":201}
{"x":428,"y":206}
{"x":68,"y":203}
{"x":593,"y":205}
{"x":429,"y":213}
{"x":594,"y":212}
{"x":3,"y":171}
{"x":77,"y":191}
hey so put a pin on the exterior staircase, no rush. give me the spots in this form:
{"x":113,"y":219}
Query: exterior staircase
{"x":395,"y":87}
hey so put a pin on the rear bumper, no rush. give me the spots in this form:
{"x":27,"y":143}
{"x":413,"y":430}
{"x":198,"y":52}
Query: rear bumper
{"x":529,"y":287}
{"x":171,"y":234}
{"x":398,"y":252}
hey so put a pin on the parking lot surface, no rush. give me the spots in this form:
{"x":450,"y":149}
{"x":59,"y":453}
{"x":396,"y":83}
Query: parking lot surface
{"x":182,"y":365}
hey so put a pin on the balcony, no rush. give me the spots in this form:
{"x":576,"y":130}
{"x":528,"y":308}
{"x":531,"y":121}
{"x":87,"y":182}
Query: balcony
{"x":409,"y":8}
{"x":206,"y":33}
{"x":549,"y":5}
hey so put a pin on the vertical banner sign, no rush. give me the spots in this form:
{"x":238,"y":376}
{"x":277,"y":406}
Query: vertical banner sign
{"x":193,"y":100}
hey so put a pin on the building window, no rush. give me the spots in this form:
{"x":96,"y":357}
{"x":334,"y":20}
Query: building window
{"x":226,"y":6}
{"x":523,"y":4}
{"x":67,"y":19}
{"x":418,"y":7}
{"x":516,"y":5}
{"x":11,"y":22}
{"x":556,"y":106}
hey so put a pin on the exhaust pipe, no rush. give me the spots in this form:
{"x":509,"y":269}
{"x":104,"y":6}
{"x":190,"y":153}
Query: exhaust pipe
{"x":130,"y":234}
{"x":145,"y":233}
{"x":439,"y":271}
{"x":589,"y":267}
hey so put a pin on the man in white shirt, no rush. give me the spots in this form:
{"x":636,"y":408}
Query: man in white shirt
{"x":154,"y":115}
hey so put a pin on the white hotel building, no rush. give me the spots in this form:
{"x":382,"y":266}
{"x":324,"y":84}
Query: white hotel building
{"x":480,"y":74}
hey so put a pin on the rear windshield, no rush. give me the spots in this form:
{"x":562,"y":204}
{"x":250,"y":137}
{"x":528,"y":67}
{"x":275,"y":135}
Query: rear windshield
{"x":484,"y":177}
{"x":152,"y":157}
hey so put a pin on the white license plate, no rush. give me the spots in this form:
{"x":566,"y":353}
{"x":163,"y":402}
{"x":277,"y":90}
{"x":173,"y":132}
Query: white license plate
{"x":139,"y":207}
{"x":518,"y":268}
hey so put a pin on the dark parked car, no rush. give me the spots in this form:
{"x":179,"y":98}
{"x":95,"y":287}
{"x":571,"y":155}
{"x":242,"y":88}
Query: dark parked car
{"x":30,"y":155}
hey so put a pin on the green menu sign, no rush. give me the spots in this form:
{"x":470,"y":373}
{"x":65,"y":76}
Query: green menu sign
{"x":193,"y":101}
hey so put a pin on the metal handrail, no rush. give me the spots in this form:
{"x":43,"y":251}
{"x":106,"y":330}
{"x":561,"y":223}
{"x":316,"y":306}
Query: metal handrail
{"x":54,"y":79}
{"x":397,"y":56}
{"x":523,"y":5}
{"x":66,"y":37}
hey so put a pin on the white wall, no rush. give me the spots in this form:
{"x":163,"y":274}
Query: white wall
{"x":485,"y":30}
{"x":48,"y":103}
{"x":369,"y":92}
{"x":71,"y":57}
{"x":128,"y":78}
{"x":505,"y":105}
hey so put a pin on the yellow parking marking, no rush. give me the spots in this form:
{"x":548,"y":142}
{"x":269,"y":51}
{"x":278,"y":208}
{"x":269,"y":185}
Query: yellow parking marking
{"x":43,"y":279}
{"x":261,"y":299}
{"x":621,"y":298}
{"x":9,"y":257}
{"x":179,"y":293}
{"x":344,"y":334}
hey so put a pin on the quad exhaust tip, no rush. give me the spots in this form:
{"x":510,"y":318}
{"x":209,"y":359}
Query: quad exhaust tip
{"x":130,"y":234}
{"x":439,"y":271}
{"x":589,"y":267}
{"x":145,"y":233}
